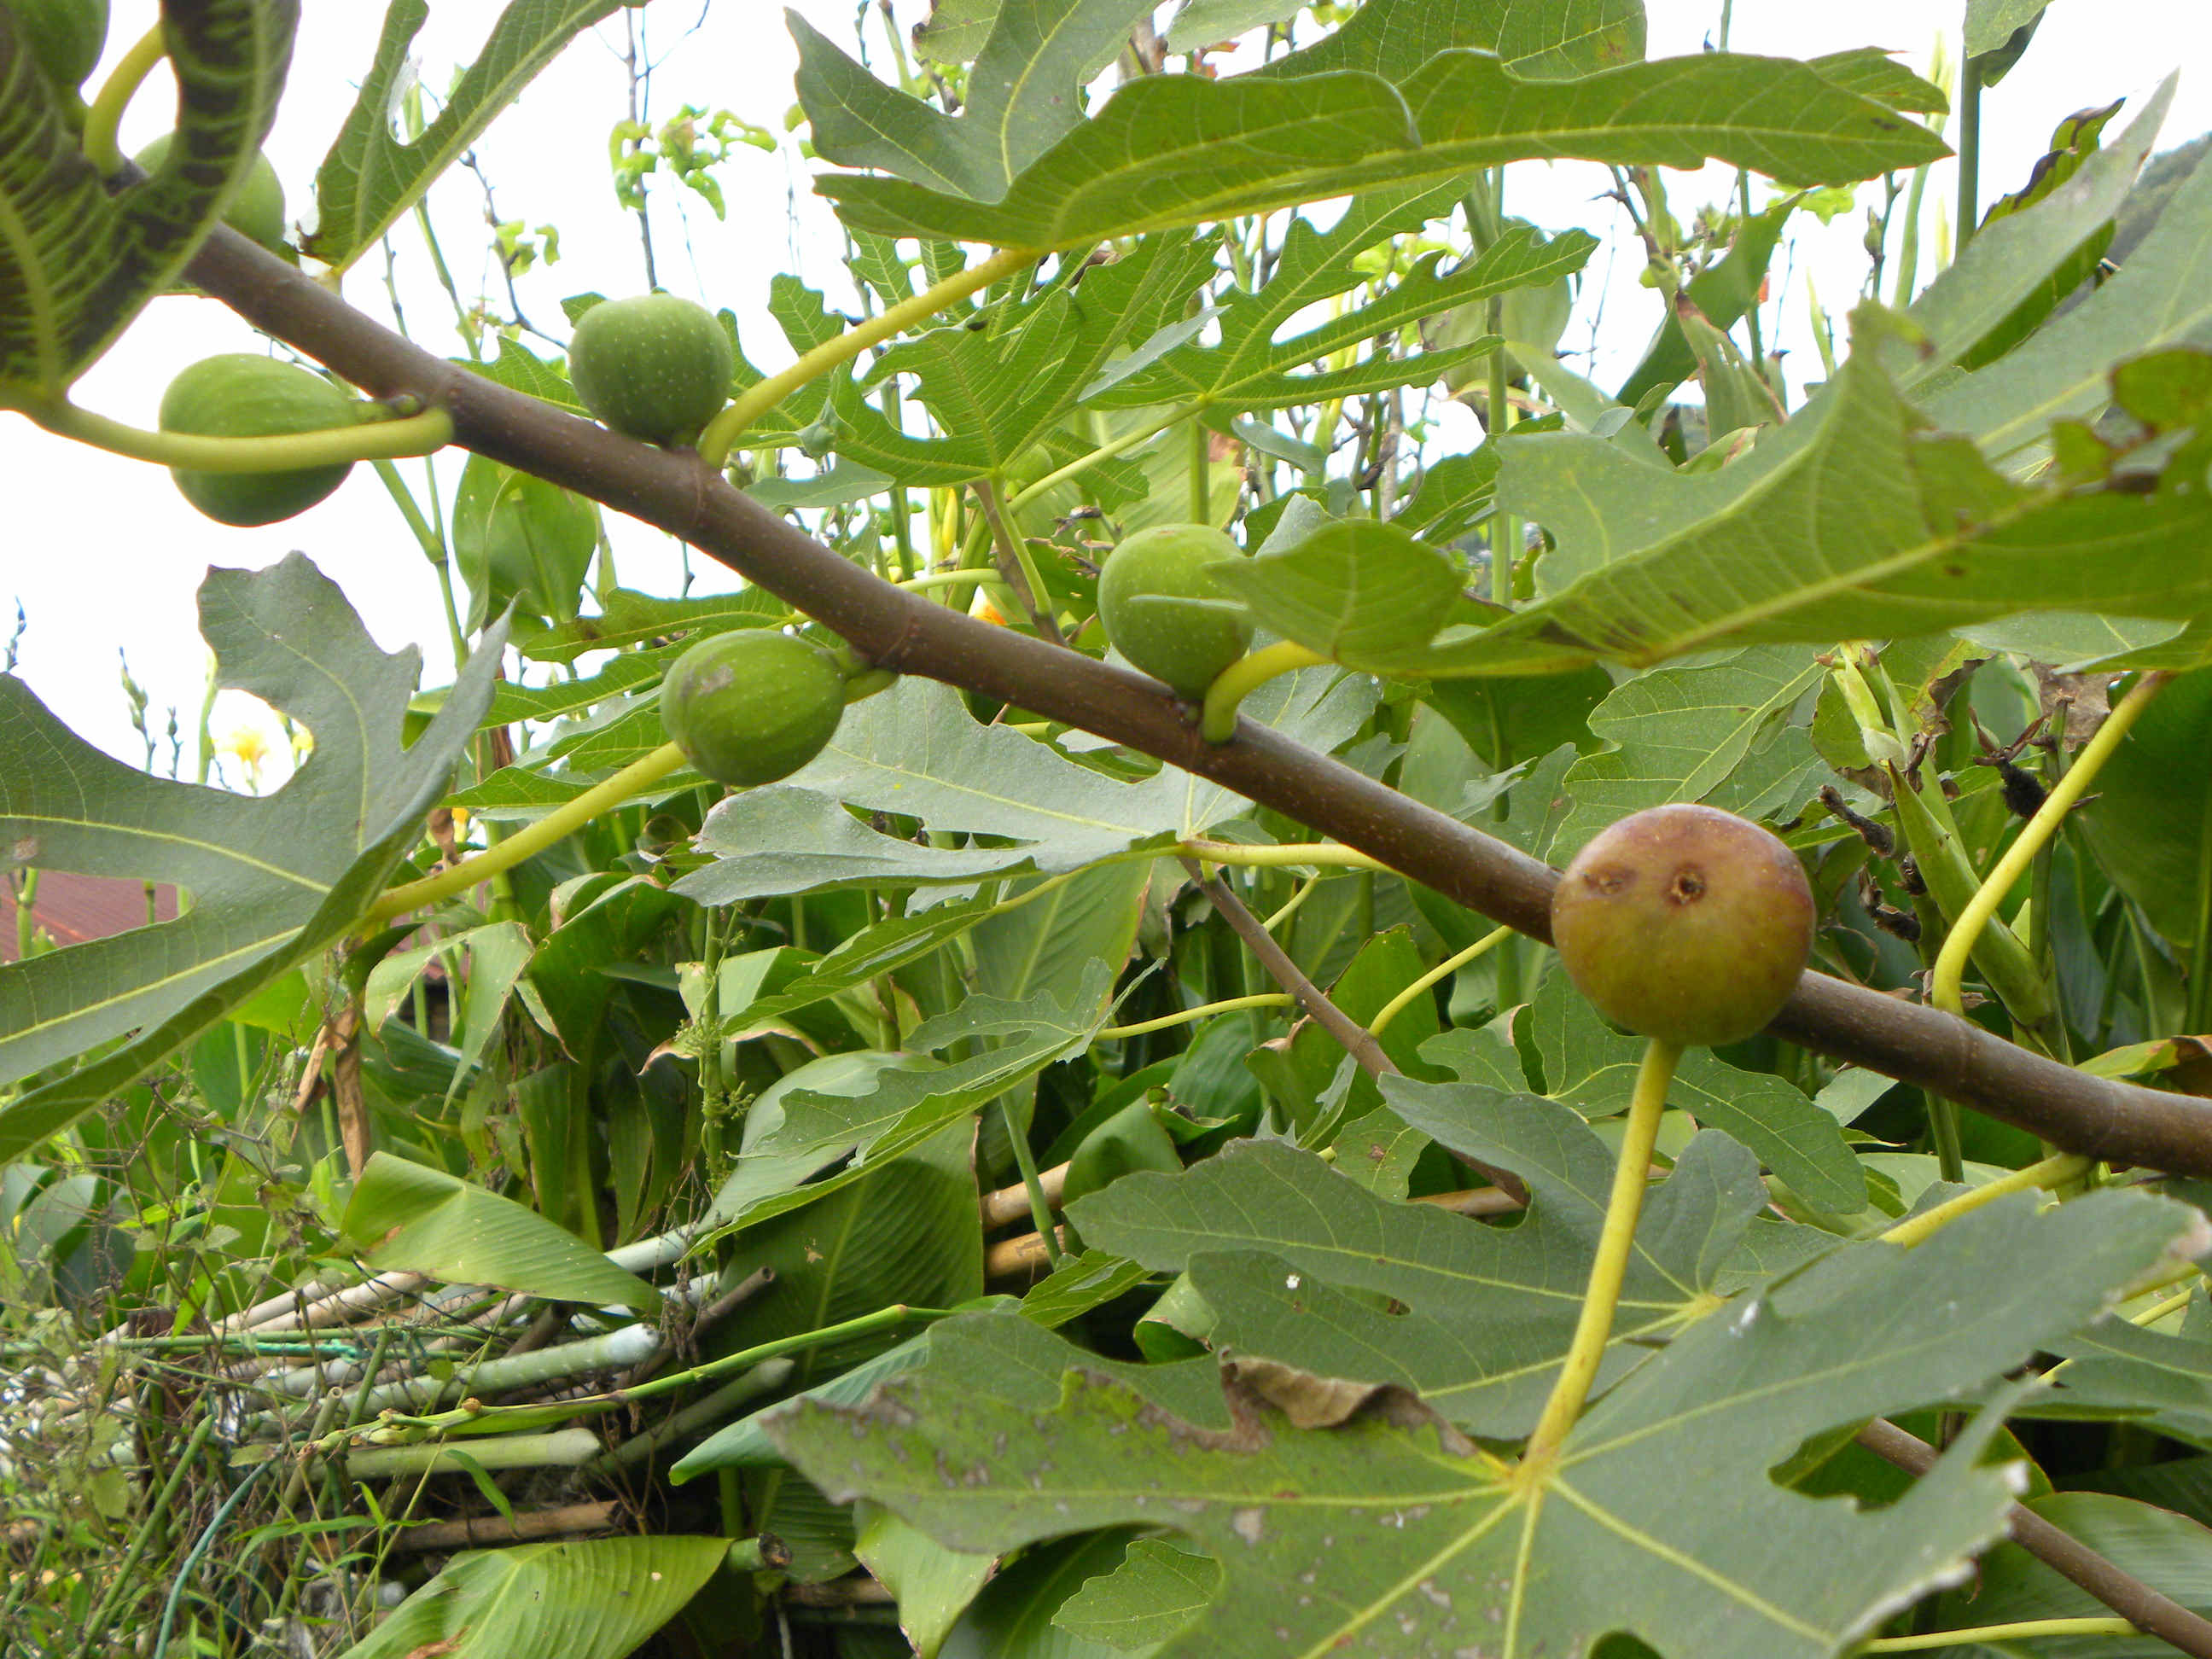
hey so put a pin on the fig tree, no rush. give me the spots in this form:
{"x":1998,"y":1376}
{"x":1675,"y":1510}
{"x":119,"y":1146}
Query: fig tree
{"x":241,"y":394}
{"x":752,"y":706}
{"x":256,"y":212}
{"x":1165,"y":613}
{"x":656,"y":368}
{"x":64,"y":36}
{"x":1685,"y":923}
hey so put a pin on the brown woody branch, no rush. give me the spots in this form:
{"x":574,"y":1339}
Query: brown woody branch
{"x":2120,"y":1590}
{"x":675,"y":491}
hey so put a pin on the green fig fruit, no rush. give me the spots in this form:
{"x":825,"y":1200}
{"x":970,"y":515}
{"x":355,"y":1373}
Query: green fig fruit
{"x":752,"y":706}
{"x":256,"y":212}
{"x":241,"y":394}
{"x":1685,"y":923}
{"x":66,"y":36}
{"x":1165,"y":613}
{"x":655,"y":368}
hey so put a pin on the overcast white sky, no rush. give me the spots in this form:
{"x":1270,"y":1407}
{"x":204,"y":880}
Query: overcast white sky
{"x":102,"y":553}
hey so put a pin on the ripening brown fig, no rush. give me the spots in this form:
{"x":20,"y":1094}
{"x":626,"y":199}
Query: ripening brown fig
{"x":1685,"y":923}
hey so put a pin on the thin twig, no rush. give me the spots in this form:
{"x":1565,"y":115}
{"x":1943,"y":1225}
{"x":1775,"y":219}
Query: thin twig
{"x":2125,"y":1594}
{"x":1358,"y":1040}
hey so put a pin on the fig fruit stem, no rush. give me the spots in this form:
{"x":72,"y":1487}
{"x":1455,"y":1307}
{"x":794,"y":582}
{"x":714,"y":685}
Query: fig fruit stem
{"x":723,"y":431}
{"x":2034,"y":835}
{"x":1451,"y":964}
{"x":2054,"y":1172}
{"x":2019,"y":1631}
{"x":105,"y":117}
{"x":1245,"y":676}
{"x":525,"y":843}
{"x":1595,"y":1324}
{"x":1271,"y":857}
{"x":1227,"y":1006}
{"x":372,"y":441}
{"x":1105,"y":452}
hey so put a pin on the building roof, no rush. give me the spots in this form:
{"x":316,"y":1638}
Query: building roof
{"x":72,"y":907}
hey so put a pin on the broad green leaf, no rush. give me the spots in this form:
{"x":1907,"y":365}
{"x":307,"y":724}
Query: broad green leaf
{"x":1554,"y":41}
{"x":1768,"y":550}
{"x":77,"y":264}
{"x":1023,"y":93}
{"x":2152,"y":813}
{"x":629,"y":617}
{"x":1489,"y":1309}
{"x":1870,"y":70}
{"x":1158,"y":1590}
{"x":1208,"y":22}
{"x":275,"y":880}
{"x":596,"y":1598}
{"x":520,"y":539}
{"x":1391,"y":1528}
{"x":1192,"y":1391}
{"x":934,"y":1585}
{"x":1250,"y":365}
{"x":1177,"y":149}
{"x":405,"y":1216}
{"x":1589,"y":1068}
{"x":995,"y":392}
{"x":2159,"y":1379}
{"x":783,"y":838}
{"x":1360,"y":593}
{"x":2162,"y":296}
{"x":1990,"y":24}
{"x":1718,"y":733}
{"x":861,"y":1110}
{"x":372,"y":176}
{"x":2011,"y":258}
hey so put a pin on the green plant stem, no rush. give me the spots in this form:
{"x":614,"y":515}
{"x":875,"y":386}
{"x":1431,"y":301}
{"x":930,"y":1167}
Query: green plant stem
{"x":106,"y":115}
{"x":1398,"y":1004}
{"x":1105,"y":452}
{"x":434,"y":548}
{"x":1970,"y":151}
{"x":2018,"y":1631}
{"x":1016,"y":567}
{"x":526,"y":843}
{"x":1273,"y":858}
{"x":1201,"y":501}
{"x":1227,"y":1006}
{"x":126,"y":1574}
{"x":413,"y":435}
{"x":1218,"y":724}
{"x":1951,"y":961}
{"x":199,"y":1551}
{"x":722,"y":432}
{"x":2047,"y":1172}
{"x":1595,"y":1324}
{"x":554,"y":1448}
{"x":1032,"y":1183}
{"x":2198,"y":1013}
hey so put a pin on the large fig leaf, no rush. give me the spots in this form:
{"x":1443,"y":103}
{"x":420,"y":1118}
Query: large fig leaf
{"x":372,"y":176}
{"x":1389,"y":1532}
{"x":595,"y":1598}
{"x":1251,"y":364}
{"x":1177,"y":150}
{"x":1777,"y":548}
{"x":272,"y":881}
{"x":76,"y":264}
{"x":1489,"y":1309}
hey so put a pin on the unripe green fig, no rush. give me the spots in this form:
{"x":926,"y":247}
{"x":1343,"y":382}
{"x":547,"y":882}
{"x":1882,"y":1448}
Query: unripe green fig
{"x":64,"y":36}
{"x":752,"y":706}
{"x":256,"y":212}
{"x":239,"y":394}
{"x":655,"y":368}
{"x":1165,"y":613}
{"x":1684,"y":923}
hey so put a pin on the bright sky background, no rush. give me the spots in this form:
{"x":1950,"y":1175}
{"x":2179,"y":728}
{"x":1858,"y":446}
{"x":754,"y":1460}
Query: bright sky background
{"x":102,"y":553}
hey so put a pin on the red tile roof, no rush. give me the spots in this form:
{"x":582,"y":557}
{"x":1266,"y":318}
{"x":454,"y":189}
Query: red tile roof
{"x":74,"y":907}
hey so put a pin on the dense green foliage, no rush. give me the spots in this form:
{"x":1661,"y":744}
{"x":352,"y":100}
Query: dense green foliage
{"x":1014,"y":1177}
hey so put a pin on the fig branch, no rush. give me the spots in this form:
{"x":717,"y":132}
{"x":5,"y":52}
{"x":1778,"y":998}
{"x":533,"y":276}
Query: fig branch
{"x":2094,"y":1116}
